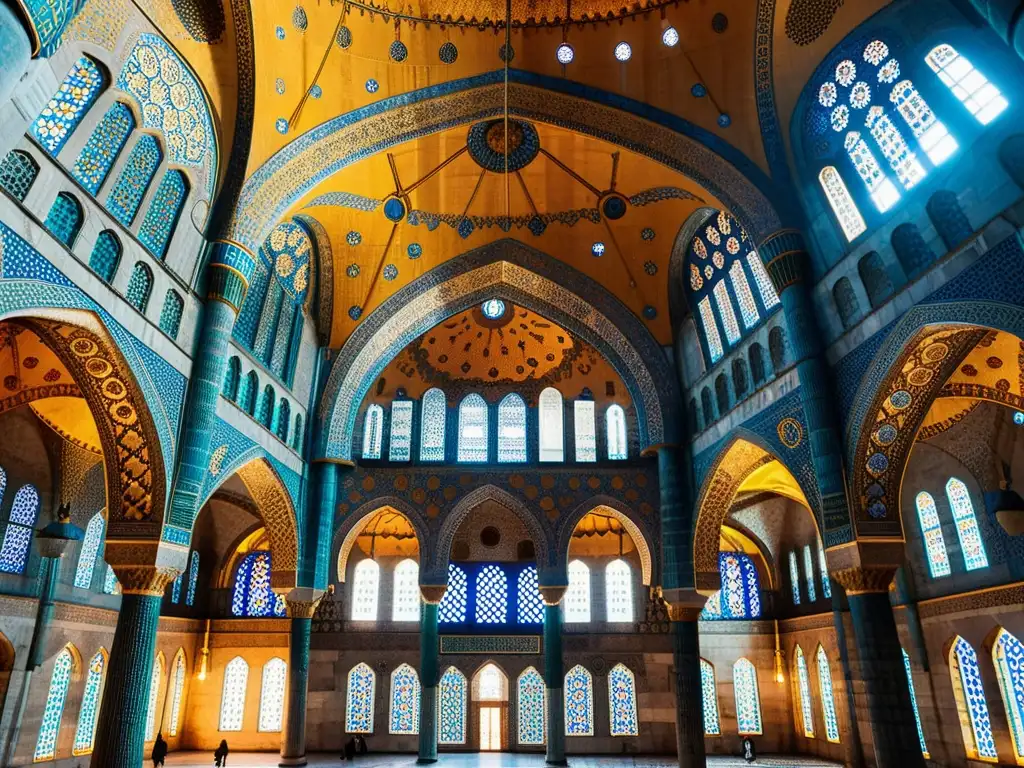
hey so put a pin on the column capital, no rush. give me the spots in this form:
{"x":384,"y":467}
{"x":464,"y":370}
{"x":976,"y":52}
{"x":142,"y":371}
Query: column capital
{"x":302,"y":602}
{"x":864,"y":579}
{"x":684,"y":604}
{"x":432,"y":593}
{"x":865,"y":565}
{"x":231,"y":266}
{"x":552,"y":595}
{"x":148,"y":580}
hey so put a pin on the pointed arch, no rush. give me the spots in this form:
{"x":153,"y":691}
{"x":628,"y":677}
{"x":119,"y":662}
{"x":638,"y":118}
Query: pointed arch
{"x":638,"y":529}
{"x":348,"y":529}
{"x":271,"y":715}
{"x":276,"y":510}
{"x":232,"y":699}
{"x":748,"y":697}
{"x":709,"y":699}
{"x":531,"y":708}
{"x":452,"y":700}
{"x":85,"y":731}
{"x":404,"y":710}
{"x":622,"y":701}
{"x":64,"y":666}
{"x":579,"y":702}
{"x":21,"y":521}
{"x":971,"y":707}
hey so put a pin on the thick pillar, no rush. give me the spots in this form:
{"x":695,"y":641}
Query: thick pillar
{"x":853,"y":750}
{"x":429,"y":672}
{"x":301,"y":606}
{"x":320,"y":522}
{"x":15,"y":51}
{"x":554,"y":674}
{"x":684,"y":613}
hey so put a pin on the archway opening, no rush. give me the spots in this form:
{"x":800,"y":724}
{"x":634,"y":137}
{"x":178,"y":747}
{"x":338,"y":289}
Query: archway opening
{"x":490,"y":713}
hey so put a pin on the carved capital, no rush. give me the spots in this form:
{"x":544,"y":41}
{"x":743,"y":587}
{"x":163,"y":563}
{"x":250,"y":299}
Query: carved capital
{"x":552,"y":595}
{"x":865,"y":579}
{"x":432,"y":593}
{"x":684,"y":604}
{"x":144,"y":579}
{"x":301,"y":602}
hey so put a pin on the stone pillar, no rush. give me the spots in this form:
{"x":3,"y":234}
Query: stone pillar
{"x":320,"y":522}
{"x":684,"y":612}
{"x":429,"y":671}
{"x":121,"y":725}
{"x":15,"y":51}
{"x":302,"y":604}
{"x":554,"y":674}
{"x":853,"y":749}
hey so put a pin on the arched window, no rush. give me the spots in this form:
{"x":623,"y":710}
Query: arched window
{"x":433,"y":413}
{"x":404,"y":714}
{"x":177,"y":691}
{"x":530,"y":608}
{"x":804,"y":690}
{"x":551,"y":428}
{"x":400,"y":447}
{"x":748,"y":698}
{"x":265,"y":411}
{"x":18,"y":173}
{"x":282,"y":419}
{"x":275,"y":675}
{"x":472,"y":429}
{"x":90,"y":549}
{"x":104,"y":145}
{"x":64,"y":219}
{"x":162,"y":215}
{"x":251,"y":314}
{"x":577,"y":596}
{"x":828,"y":702}
{"x":365,"y":590}
{"x":826,"y":585}
{"x":618,"y":590}
{"x":247,"y":399}
{"x":85,"y":731}
{"x":709,"y":699}
{"x":491,"y":595}
{"x":373,"y":431}
{"x":110,"y":585}
{"x":894,"y":148}
{"x":707,"y":318}
{"x":769,"y":297}
{"x":585,"y":429}
{"x":105,"y":256}
{"x":930,"y":133}
{"x":155,"y":682}
{"x":405,"y":597}
{"x":931,"y":531}
{"x":193,"y":579}
{"x":579,"y":702}
{"x":231,"y":379}
{"x":511,"y":429}
{"x":252,"y":595}
{"x":20,"y":524}
{"x":843,"y":206}
{"x":297,"y":435}
{"x":969,"y":692}
{"x":982,"y":99}
{"x":451,"y":715}
{"x":49,"y":729}
{"x":794,"y":577}
{"x":615,"y":425}
{"x":725,"y":311}
{"x":741,"y":289}
{"x":1008,"y":656}
{"x":882,"y":190}
{"x":362,"y":685}
{"x":622,"y":702}
{"x":62,"y":114}
{"x":740,"y":595}
{"x":176,"y":588}
{"x":232,"y":698}
{"x":170,"y":315}
{"x":531,"y":700}
{"x":812,"y":592}
{"x":452,"y":609}
{"x":139,"y":286}
{"x":971,"y":545}
{"x":913,"y":701}
{"x":266,"y":329}
{"x":130,"y":188}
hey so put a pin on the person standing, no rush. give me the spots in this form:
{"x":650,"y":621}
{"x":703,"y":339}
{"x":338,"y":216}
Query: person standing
{"x":159,"y":752}
{"x":221,"y":755}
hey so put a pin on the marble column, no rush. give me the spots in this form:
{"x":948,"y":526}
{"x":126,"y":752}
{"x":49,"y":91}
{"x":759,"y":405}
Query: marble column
{"x":554,"y":674}
{"x":15,"y":51}
{"x":429,"y":671}
{"x":301,"y":604}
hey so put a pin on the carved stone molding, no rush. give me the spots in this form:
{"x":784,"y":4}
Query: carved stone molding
{"x":864,"y":579}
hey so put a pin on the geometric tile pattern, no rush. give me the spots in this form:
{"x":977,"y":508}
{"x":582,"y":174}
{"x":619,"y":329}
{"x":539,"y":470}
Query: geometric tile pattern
{"x":103,"y":147}
{"x":162,"y":216}
{"x":65,"y":110}
{"x":125,"y":198}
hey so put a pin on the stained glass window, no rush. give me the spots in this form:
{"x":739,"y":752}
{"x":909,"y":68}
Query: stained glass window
{"x":975,"y":725}
{"x":265,"y":411}
{"x":748,"y":697}
{"x":913,"y":701}
{"x":804,"y":689}
{"x":362,"y":685}
{"x":103,"y":147}
{"x":46,"y":744}
{"x":725,"y":311}
{"x":982,"y":98}
{"x":843,"y":206}
{"x":769,"y":297}
{"x":473,"y":428}
{"x":404,"y":714}
{"x":531,"y":700}
{"x":622,"y":702}
{"x":707,"y":318}
{"x":64,"y":219}
{"x":894,"y":148}
{"x":741,"y":288}
{"x":615,"y":424}
{"x":618,"y":588}
{"x":65,"y":110}
{"x":247,"y":397}
{"x":451,"y":714}
{"x":90,"y":549}
{"x":106,"y":255}
{"x":929,"y":131}
{"x":130,"y":188}
{"x":433,"y":412}
{"x":709,"y":699}
{"x":491,"y":595}
{"x":232,"y":699}
{"x":275,"y":675}
{"x":579,"y":702}
{"x":931,"y":530}
{"x":193,"y":579}
{"x":110,"y":585}
{"x":740,"y":595}
{"x":176,"y":589}
{"x":20,"y":524}
{"x":586,"y":430}
{"x":452,"y":609}
{"x":882,"y":190}
{"x":1008,"y":655}
{"x":170,"y":315}
{"x":177,"y":691}
{"x":252,"y":595}
{"x":549,"y":408}
{"x":405,"y":597}
{"x":139,"y":286}
{"x":966,"y":525}
{"x":400,"y":446}
{"x":812,"y":592}
{"x":373,"y":431}
{"x":85,"y":731}
{"x":530,"y":607}
{"x":154,"y":695}
{"x":794,"y":577}
{"x":365,"y":590}
{"x":577,"y":597}
{"x":826,"y":585}
{"x":18,"y":172}
{"x":512,"y":429}
{"x":162,"y":215}
{"x":828,"y":702}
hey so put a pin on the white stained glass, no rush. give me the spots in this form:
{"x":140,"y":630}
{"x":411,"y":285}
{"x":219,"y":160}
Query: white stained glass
{"x":931,"y":532}
{"x":982,"y":99}
{"x":489,"y":684}
{"x":154,"y":694}
{"x":748,"y":697}
{"x":85,"y":733}
{"x":740,"y":286}
{"x":709,"y":699}
{"x":615,"y":424}
{"x":400,"y":447}
{"x":433,"y":412}
{"x":552,"y":431}
{"x":405,"y":598}
{"x":804,"y":687}
{"x":586,"y":430}
{"x":512,"y":429}
{"x":930,"y":132}
{"x":177,"y":690}
{"x":275,"y":675}
{"x":828,"y":703}
{"x":110,"y":585}
{"x":365,"y":588}
{"x":732,"y":328}
{"x":794,"y":577}
{"x":826,"y":585}
{"x":843,"y":206}
{"x":473,"y":429}
{"x":373,"y":431}
{"x":971,"y":545}
{"x":90,"y":548}
{"x":707,"y":318}
{"x":49,"y":728}
{"x":618,"y":589}
{"x":812,"y":592}
{"x":882,"y":190}
{"x":577,"y":596}
{"x":769,"y":297}
{"x":894,"y":148}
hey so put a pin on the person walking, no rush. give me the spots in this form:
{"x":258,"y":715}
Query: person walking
{"x":159,"y":753}
{"x":221,"y":755}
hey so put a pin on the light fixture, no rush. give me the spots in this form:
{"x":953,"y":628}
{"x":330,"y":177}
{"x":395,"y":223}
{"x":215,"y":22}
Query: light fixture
{"x":565,"y":54}
{"x":623,"y":51}
{"x":204,"y":654}
{"x":670,"y":37}
{"x":780,"y":675}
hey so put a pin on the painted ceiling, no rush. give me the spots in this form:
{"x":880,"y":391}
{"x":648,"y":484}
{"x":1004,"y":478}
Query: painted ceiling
{"x":388,"y":534}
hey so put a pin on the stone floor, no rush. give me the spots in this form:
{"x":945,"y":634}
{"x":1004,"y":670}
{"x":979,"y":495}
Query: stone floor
{"x":487,"y":760}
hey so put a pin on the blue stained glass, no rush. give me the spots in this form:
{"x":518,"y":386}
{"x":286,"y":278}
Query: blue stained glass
{"x":103,"y":147}
{"x":178,"y":688}
{"x":65,"y":110}
{"x":64,"y":219}
{"x":530,"y":609}
{"x":90,"y":549}
{"x":740,"y":596}
{"x":162,"y":215}
{"x":452,"y":609}
{"x":804,"y":688}
{"x":106,"y":255}
{"x":748,"y":697}
{"x":18,"y":536}
{"x":971,"y":545}
{"x":373,"y":431}
{"x":110,"y":585}
{"x":765,"y":287}
{"x":826,"y":585}
{"x":491,"y":595}
{"x":512,"y":429}
{"x":709,"y":699}
{"x":193,"y":579}
{"x":976,"y":726}
{"x":18,"y":173}
{"x":86,"y":729}
{"x":451,"y":697}
{"x":531,"y":700}
{"x":828,"y":702}
{"x":579,"y":702}
{"x":139,"y":286}
{"x":137,"y":174}
{"x":622,"y":702}
{"x":794,"y":577}
{"x":362,"y":684}
{"x":472,"y":429}
{"x":812,"y":593}
{"x":405,"y":701}
{"x":433,"y":409}
{"x":252,"y":595}
{"x":1009,"y":659}
{"x":170,"y":314}
{"x":46,"y":744}
{"x":913,"y":701}
{"x":176,"y":589}
{"x":931,"y":531}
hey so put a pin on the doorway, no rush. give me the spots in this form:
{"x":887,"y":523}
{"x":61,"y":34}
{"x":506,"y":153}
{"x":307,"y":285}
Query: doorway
{"x":490,"y":707}
{"x":490,"y":728}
